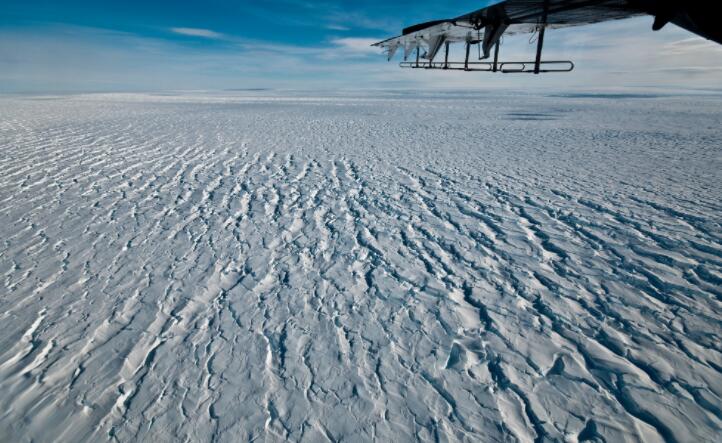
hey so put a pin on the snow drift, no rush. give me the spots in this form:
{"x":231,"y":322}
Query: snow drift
{"x":439,"y":267}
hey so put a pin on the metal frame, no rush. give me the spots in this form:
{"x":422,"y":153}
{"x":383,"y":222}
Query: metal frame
{"x":528,"y":67}
{"x":538,"y":66}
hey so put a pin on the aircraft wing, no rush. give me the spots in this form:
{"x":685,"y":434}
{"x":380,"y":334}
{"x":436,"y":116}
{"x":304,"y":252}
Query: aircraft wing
{"x":503,"y":17}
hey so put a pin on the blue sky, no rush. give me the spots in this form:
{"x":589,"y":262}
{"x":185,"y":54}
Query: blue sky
{"x":48,"y":46}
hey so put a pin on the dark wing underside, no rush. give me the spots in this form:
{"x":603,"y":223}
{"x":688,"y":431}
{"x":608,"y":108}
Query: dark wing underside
{"x":486,"y":25}
{"x":559,"y":12}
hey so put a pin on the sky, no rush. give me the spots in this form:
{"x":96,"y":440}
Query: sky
{"x":110,"y":45}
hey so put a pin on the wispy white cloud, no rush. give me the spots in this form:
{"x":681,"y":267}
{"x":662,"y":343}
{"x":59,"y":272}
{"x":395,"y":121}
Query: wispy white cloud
{"x":617,"y":54}
{"x":356,"y":44}
{"x":690,"y":45}
{"x":197,"y":32}
{"x":335,"y":27}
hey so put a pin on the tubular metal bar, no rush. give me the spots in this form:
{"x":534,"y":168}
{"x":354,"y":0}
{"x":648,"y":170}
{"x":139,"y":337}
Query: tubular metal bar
{"x":418,"y":51}
{"x":504,"y":67}
{"x":451,"y":66}
{"x":446,"y":57}
{"x":521,"y":67}
{"x":496,"y":56}
{"x":466,"y":61}
{"x":540,"y":41}
{"x":540,"y":44}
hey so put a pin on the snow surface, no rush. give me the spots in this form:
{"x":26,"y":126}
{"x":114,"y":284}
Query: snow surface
{"x":492,"y":267}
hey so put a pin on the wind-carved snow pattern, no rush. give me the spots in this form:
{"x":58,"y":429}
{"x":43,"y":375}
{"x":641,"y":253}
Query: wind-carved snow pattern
{"x":452,"y":268}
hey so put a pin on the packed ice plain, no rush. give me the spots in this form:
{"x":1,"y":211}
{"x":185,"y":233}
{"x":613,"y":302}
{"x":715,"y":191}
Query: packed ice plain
{"x":449,"y":267}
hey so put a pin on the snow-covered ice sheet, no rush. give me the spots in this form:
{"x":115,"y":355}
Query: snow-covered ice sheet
{"x":488,"y":267}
